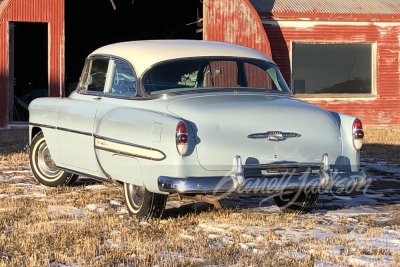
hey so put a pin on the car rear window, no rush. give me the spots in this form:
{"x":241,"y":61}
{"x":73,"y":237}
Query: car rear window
{"x":190,"y":74}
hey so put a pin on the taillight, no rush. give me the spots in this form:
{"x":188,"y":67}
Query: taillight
{"x":182,"y":138}
{"x":358,"y":134}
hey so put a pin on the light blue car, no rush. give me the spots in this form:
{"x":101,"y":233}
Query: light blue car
{"x":202,"y":119}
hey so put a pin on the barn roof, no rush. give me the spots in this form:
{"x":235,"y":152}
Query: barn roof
{"x":332,"y":10}
{"x":384,"y":7}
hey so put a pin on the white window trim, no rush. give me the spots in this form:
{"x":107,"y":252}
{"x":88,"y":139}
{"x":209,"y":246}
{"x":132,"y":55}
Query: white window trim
{"x":363,"y":97}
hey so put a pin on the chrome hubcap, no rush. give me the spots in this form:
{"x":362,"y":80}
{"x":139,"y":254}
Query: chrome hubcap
{"x":137,"y":195}
{"x":45,"y":161}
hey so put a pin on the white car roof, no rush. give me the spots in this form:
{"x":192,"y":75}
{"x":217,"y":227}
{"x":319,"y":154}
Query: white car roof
{"x":143,"y":54}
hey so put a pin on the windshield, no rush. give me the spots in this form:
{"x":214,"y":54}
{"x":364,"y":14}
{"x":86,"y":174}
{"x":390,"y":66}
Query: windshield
{"x":184,"y":75}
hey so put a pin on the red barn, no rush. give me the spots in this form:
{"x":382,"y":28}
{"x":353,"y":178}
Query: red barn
{"x":342,"y":55}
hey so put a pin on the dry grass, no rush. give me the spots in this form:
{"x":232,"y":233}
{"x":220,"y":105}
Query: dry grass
{"x":87,"y":225}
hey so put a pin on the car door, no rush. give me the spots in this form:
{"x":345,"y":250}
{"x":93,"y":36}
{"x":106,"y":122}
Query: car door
{"x":115,"y":125}
{"x":77,"y":116}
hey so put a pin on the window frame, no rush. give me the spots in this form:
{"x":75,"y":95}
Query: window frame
{"x":361,"y":96}
{"x":110,"y":76}
{"x":82,"y":87}
{"x":227,"y":58}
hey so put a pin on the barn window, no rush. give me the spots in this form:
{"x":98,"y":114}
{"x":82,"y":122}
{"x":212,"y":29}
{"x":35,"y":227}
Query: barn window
{"x":332,"y":68}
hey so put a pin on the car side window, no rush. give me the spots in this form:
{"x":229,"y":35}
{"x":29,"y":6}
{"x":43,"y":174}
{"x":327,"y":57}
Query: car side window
{"x":123,"y":80}
{"x":96,"y":79}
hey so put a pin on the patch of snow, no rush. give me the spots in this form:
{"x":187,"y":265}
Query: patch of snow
{"x":357,"y":211}
{"x":115,"y":232}
{"x":67,"y":210}
{"x":57,"y":264}
{"x":116,"y":203}
{"x":112,"y":244}
{"x":143,"y":223}
{"x":11,"y":172}
{"x":247,"y":245}
{"x":96,"y":187}
{"x":383,"y":219}
{"x":99,"y":208}
{"x":171,"y":257}
{"x":223,"y":238}
{"x":123,"y":211}
{"x":369,"y":260}
{"x":6,"y":196}
{"x":324,"y":264}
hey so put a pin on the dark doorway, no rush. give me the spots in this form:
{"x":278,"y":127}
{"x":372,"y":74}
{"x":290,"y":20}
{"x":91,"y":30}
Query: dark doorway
{"x":91,"y":24}
{"x":28,"y":67}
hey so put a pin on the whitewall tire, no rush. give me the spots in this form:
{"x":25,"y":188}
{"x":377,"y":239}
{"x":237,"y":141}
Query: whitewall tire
{"x":143,"y":204}
{"x":43,"y":167}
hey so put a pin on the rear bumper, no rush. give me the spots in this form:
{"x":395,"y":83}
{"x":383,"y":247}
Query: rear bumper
{"x":236,"y":183}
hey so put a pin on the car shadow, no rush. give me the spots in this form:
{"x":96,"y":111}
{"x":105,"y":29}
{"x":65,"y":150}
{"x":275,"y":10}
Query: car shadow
{"x":86,"y":181}
{"x":245,"y":204}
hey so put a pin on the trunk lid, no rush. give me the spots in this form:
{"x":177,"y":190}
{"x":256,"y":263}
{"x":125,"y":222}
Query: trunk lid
{"x":222,"y":125}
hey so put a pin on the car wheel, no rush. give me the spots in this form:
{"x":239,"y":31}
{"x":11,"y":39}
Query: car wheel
{"x":298,"y":202}
{"x":142,"y":203}
{"x":44,"y":168}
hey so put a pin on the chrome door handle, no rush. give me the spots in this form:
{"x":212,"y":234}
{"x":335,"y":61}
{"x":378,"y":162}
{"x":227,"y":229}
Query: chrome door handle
{"x":97,"y":98}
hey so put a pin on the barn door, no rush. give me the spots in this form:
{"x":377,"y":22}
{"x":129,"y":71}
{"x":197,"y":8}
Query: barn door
{"x":28,"y":67}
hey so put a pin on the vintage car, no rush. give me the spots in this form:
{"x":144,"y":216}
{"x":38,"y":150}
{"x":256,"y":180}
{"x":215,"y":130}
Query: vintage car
{"x":202,"y":119}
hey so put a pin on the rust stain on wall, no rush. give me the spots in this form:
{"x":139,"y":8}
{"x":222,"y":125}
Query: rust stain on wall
{"x":235,"y":21}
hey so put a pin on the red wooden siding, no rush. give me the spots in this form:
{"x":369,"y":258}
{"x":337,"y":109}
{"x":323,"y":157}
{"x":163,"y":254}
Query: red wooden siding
{"x":382,"y":110}
{"x":50,"y":11}
{"x":234,"y":21}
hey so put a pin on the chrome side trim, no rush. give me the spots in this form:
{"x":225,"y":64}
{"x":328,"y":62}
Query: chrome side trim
{"x":73,"y":131}
{"x":87,"y":175}
{"x":128,"y":149}
{"x":59,"y":128}
{"x":42,"y":125}
{"x":116,"y":146}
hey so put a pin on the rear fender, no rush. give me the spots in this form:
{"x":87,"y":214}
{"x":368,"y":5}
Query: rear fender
{"x":350,"y":160}
{"x":136,"y":146}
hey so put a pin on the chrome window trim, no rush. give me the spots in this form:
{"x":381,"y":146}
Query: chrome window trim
{"x":82,"y":88}
{"x":112,"y":95}
{"x":92,"y":93}
{"x":233,"y":58}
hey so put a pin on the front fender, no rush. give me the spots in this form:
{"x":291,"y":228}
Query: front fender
{"x":43,"y":116}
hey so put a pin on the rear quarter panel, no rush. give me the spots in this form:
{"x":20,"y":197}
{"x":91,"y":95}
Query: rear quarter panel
{"x":154,"y":133}
{"x":350,"y":160}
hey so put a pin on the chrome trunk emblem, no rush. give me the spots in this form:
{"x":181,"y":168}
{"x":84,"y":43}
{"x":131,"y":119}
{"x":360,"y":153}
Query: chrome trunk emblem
{"x":274,"y":135}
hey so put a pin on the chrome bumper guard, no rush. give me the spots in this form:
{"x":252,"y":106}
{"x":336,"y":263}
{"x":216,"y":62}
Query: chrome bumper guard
{"x":237,"y":183}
